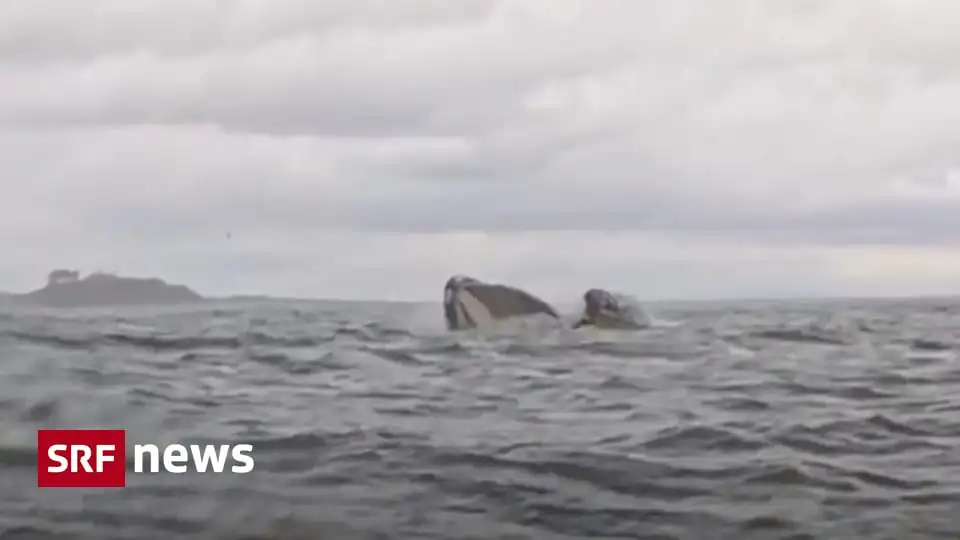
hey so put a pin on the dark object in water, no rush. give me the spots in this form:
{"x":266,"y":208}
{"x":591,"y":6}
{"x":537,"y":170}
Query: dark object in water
{"x":469,"y":303}
{"x":605,"y":310}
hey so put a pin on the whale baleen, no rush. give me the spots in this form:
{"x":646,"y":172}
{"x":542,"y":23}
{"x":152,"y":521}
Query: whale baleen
{"x":606,"y":310}
{"x":469,"y":303}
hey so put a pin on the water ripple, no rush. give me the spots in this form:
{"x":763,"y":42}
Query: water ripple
{"x":798,"y":421}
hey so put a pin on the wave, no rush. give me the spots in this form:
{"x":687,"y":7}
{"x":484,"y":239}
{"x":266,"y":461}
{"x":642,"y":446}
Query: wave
{"x":742,"y":422}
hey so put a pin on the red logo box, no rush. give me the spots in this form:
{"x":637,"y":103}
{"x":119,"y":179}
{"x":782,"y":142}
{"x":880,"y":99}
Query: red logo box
{"x":81,"y":458}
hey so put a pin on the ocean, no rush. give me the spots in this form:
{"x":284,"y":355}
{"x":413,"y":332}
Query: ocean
{"x":765,"y":420}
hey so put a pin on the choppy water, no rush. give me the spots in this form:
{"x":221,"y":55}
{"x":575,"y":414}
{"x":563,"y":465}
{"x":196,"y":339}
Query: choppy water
{"x":723,"y":422}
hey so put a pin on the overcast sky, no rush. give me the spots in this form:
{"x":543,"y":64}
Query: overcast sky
{"x":369,"y":149}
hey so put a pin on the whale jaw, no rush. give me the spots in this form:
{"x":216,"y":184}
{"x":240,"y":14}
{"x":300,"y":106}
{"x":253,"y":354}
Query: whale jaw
{"x":469,"y":303}
{"x":604,"y":310}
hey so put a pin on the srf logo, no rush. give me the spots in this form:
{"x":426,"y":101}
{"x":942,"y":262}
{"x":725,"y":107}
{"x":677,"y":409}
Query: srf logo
{"x":81,"y":458}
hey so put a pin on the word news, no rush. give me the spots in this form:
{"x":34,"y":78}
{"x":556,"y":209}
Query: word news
{"x":98,"y":458}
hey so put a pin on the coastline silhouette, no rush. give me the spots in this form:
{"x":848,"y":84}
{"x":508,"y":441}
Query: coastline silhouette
{"x":66,"y":288}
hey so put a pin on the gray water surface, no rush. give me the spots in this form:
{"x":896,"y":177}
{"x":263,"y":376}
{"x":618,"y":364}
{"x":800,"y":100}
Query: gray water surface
{"x":792,"y":421}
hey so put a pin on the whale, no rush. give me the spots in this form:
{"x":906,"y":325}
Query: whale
{"x":469,"y":303}
{"x":606,"y":310}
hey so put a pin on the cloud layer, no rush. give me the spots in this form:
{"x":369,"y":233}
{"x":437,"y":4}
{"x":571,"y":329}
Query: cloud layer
{"x":670,"y":149}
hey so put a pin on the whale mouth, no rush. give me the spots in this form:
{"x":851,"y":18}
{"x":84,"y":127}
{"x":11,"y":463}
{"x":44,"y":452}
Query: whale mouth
{"x":471,"y":303}
{"x":605,"y":309}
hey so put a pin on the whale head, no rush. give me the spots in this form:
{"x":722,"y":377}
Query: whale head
{"x":470,"y":303}
{"x":603,"y":309}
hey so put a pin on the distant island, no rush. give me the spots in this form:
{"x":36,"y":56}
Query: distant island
{"x":65,"y":288}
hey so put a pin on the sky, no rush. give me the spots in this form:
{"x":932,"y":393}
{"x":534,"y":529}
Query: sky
{"x":368,"y":149}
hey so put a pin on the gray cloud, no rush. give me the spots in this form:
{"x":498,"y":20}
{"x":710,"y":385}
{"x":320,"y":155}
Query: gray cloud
{"x":793,"y":125}
{"x":47,"y":30}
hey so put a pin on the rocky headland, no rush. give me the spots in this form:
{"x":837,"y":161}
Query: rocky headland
{"x":65,"y":288}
